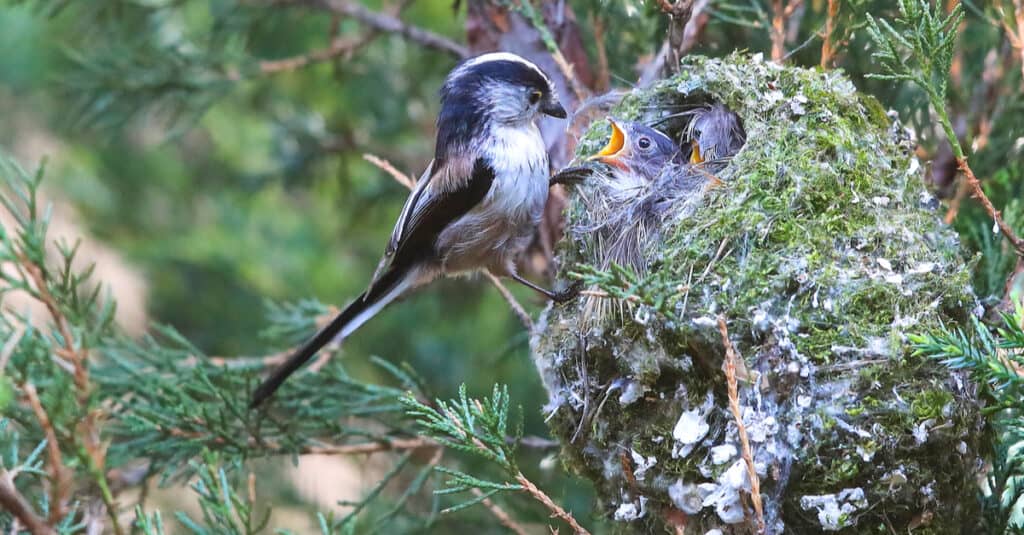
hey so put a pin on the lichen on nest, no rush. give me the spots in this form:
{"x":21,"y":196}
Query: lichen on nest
{"x":821,"y":250}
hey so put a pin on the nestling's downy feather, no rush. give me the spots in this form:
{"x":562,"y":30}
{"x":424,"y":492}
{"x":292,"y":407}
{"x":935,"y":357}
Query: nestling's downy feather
{"x":628,"y":204}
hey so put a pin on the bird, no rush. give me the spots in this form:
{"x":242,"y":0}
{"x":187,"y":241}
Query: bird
{"x":638,"y":151}
{"x":476,"y":206}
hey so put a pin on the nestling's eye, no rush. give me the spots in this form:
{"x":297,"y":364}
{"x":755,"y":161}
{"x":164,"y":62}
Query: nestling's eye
{"x":644,"y":143}
{"x":535,"y":97}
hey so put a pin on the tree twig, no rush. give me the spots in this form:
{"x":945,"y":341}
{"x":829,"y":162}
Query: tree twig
{"x":389,"y":24}
{"x":59,"y":484}
{"x":734,"y":406}
{"x":555,"y":509}
{"x":340,"y":46}
{"x":13,"y":502}
{"x":975,"y":186}
{"x":827,"y":49}
{"x":781,"y":11}
{"x":517,"y":309}
{"x":87,"y":431}
{"x":1016,"y":35}
{"x":499,"y":513}
{"x":386,"y":166}
{"x":399,"y":444}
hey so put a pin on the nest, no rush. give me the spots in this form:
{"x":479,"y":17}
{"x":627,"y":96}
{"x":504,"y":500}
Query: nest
{"x":816,"y":243}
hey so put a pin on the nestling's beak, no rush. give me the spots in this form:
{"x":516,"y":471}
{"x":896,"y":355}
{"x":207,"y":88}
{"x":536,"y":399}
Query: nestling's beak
{"x":553,"y":108}
{"x":615,"y":150}
{"x":695,"y":156}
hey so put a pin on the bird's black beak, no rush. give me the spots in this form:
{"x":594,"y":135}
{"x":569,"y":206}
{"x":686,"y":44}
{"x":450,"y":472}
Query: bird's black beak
{"x":553,"y":108}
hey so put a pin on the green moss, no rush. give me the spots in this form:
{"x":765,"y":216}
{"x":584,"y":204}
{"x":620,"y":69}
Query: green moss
{"x":819,"y":255}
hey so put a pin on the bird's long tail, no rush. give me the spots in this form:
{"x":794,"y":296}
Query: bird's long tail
{"x":392,"y":284}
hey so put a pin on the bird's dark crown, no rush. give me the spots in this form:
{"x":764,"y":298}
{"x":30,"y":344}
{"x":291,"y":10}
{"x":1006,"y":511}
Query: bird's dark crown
{"x":463,"y":102}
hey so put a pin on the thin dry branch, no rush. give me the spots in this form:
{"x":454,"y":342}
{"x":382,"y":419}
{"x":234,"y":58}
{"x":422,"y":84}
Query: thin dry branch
{"x":339,"y":47}
{"x":384,"y":165}
{"x":781,"y":12}
{"x":87,"y":434}
{"x":399,"y":444}
{"x":517,"y":309}
{"x":734,"y":406}
{"x":502,"y":516}
{"x":388,"y":24}
{"x":59,"y":484}
{"x":975,"y":186}
{"x":828,"y":51}
{"x":556,"y":510}
{"x":679,"y":13}
{"x":13,"y":502}
{"x":1016,"y":35}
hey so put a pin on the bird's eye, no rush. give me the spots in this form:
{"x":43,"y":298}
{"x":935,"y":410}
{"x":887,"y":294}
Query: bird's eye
{"x":535,"y":97}
{"x":644,"y":143}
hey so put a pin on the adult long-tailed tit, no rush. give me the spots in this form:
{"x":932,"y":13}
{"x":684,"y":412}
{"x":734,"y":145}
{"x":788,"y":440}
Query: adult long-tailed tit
{"x":477,"y":204}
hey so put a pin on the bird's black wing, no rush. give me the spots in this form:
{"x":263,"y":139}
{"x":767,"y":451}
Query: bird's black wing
{"x":440,"y":197}
{"x":436,"y":202}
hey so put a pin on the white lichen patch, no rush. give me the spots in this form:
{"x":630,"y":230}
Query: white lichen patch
{"x":691,"y":428}
{"x":836,"y":511}
{"x":630,"y":511}
{"x":642,"y":464}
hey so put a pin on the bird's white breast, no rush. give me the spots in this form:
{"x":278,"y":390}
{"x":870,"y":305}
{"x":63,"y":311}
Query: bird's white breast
{"x":520,"y":162}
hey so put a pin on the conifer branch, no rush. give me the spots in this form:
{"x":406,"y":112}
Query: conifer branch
{"x":13,"y":502}
{"x":59,"y":484}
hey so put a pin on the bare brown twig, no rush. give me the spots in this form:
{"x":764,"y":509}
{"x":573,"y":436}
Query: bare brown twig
{"x":340,"y":46}
{"x":975,"y":187}
{"x":827,"y":48}
{"x":556,"y":510}
{"x":389,"y":24}
{"x":734,"y":406}
{"x":499,"y":513}
{"x":679,"y":13}
{"x":87,"y":434}
{"x":517,"y":309}
{"x":13,"y":502}
{"x":1016,"y":35}
{"x":781,"y":11}
{"x":59,"y":484}
{"x":384,"y":165}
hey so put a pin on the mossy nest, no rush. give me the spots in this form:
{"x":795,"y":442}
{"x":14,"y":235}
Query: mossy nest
{"x":822,"y":251}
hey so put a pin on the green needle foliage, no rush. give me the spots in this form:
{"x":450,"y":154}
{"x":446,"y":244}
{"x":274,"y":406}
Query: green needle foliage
{"x":919,"y":49}
{"x":476,"y":427}
{"x":158,"y":410}
{"x":994,"y":358}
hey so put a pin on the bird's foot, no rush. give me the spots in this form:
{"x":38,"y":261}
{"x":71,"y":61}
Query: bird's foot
{"x":571,"y":176}
{"x":568,"y":294}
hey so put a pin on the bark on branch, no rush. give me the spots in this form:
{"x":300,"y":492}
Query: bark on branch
{"x":389,"y":24}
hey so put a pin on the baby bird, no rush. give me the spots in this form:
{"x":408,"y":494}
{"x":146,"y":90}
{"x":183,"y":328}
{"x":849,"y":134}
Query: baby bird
{"x":715,"y":134}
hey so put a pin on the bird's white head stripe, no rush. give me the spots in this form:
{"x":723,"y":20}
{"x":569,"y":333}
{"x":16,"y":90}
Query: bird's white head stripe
{"x":503,"y":56}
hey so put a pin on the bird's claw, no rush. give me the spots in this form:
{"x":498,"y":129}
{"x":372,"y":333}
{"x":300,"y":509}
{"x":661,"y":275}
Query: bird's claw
{"x":569,"y":293}
{"x":571,"y":176}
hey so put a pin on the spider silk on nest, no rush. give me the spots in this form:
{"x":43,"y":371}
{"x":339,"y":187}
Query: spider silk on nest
{"x":651,"y":179}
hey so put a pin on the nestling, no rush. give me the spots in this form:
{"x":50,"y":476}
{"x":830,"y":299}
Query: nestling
{"x":477,"y":204}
